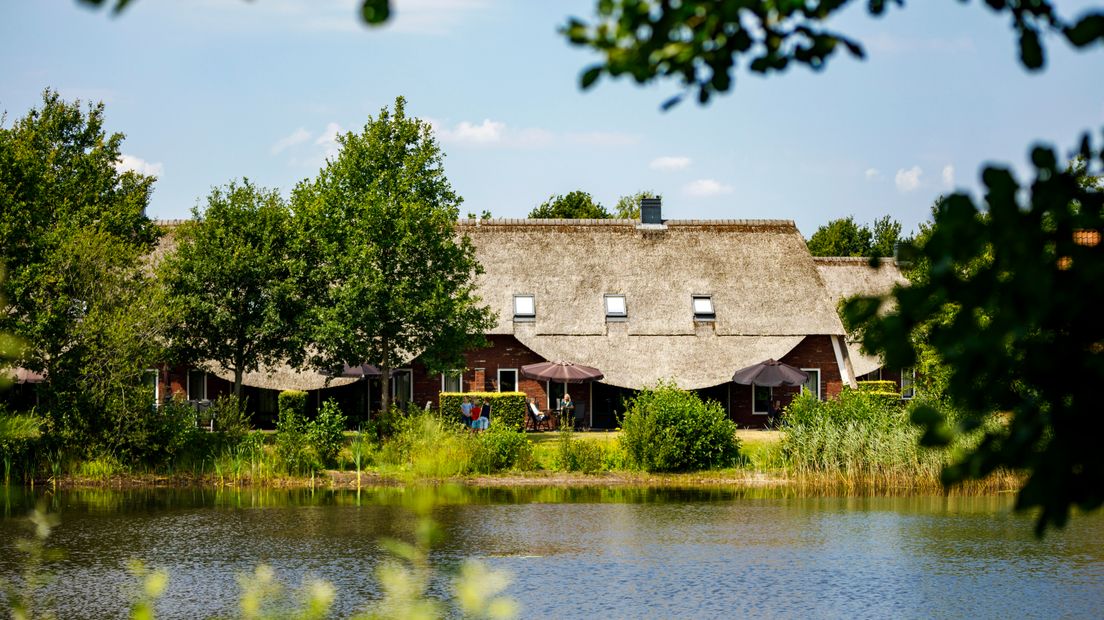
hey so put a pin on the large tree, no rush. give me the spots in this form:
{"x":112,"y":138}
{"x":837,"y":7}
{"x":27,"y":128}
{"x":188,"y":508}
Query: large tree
{"x":393,"y":279}
{"x":571,"y":206}
{"x":229,"y":281}
{"x":73,"y":230}
{"x":845,"y":237}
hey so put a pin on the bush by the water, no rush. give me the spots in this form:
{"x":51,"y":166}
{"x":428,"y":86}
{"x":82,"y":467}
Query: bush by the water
{"x":669,"y":429}
{"x":326,"y":433}
{"x":499,"y":448}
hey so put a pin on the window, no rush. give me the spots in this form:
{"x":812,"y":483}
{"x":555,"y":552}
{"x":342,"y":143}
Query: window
{"x":507,"y":380}
{"x":197,"y":384}
{"x":152,"y":380}
{"x":812,"y":386}
{"x":908,"y":383}
{"x":525,"y":307}
{"x":703,"y":308}
{"x":555,"y":393}
{"x":615,"y":307}
{"x":761,"y":399}
{"x":452,"y":381}
{"x":402,"y":388}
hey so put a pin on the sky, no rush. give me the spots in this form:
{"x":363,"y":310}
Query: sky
{"x":207,"y":91}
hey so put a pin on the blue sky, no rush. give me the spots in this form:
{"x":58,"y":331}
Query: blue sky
{"x":211,"y":90}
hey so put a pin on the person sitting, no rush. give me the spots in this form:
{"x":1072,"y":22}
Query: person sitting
{"x":535,"y":414}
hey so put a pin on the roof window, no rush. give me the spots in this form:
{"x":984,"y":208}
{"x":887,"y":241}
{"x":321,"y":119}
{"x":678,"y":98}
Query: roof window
{"x":703,"y":308}
{"x":525,"y":308}
{"x":615,"y":307}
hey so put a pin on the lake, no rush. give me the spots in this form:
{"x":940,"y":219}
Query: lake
{"x":584,"y":552}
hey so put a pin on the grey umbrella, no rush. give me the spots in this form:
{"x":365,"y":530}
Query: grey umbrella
{"x":770,"y":373}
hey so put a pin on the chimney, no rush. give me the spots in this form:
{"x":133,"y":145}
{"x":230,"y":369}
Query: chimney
{"x":651,"y":211}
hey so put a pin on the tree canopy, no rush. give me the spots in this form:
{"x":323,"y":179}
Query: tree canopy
{"x":628,"y":206}
{"x":391,"y":280}
{"x":229,"y":281}
{"x":844,"y":237}
{"x":573,"y":206}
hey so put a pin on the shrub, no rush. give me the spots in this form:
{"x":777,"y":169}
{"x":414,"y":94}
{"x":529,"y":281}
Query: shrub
{"x":507,"y":408}
{"x":668,"y":429}
{"x":291,"y":430}
{"x":19,"y":433}
{"x":231,"y":418}
{"x":576,"y":455}
{"x":426,"y":445}
{"x":499,"y":448}
{"x":326,"y":433}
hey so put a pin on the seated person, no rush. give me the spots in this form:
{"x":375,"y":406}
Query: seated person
{"x":535,"y":413}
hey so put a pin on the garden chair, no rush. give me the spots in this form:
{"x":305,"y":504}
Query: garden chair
{"x":580,"y":417}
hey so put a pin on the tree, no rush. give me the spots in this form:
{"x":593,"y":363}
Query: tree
{"x":575,"y":205}
{"x":1009,"y":296}
{"x":392,"y":280}
{"x":842,"y":237}
{"x":700,"y":42}
{"x":885,"y":237}
{"x":72,"y":232}
{"x":229,"y":282}
{"x":628,"y":207}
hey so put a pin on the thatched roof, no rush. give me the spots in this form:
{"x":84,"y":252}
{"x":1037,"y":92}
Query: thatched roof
{"x":281,"y":377}
{"x":846,"y":277}
{"x":764,"y":286}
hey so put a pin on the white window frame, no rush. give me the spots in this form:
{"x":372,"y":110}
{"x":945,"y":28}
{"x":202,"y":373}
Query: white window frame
{"x":911,"y":373}
{"x":621,"y":315}
{"x":769,"y":399}
{"x":459,"y":375}
{"x":817,"y":371}
{"x":498,"y":387}
{"x":188,"y":384}
{"x":156,"y":385}
{"x":711,"y":315}
{"x":523,"y":316}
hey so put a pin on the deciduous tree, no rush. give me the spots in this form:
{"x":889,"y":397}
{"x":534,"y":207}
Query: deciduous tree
{"x":572,"y":206}
{"x":393,"y":278}
{"x":229,"y":282}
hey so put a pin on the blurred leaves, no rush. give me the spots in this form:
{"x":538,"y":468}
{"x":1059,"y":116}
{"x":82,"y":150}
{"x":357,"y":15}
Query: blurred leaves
{"x":700,"y":43}
{"x":1006,"y":294}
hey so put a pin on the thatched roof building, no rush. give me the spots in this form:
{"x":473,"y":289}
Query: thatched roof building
{"x":765,"y":292}
{"x":846,"y":277}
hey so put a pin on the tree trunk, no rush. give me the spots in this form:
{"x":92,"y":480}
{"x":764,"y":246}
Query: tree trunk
{"x":385,"y":389}
{"x":238,"y":384}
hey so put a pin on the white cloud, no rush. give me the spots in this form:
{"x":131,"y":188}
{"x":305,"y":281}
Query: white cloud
{"x":298,"y":136}
{"x":329,"y":134}
{"x":433,"y":17}
{"x":908,"y":180}
{"x":948,"y":175}
{"x":668,"y":163}
{"x":141,"y":166}
{"x":487,"y":132}
{"x":872,"y":174}
{"x":703,"y":188}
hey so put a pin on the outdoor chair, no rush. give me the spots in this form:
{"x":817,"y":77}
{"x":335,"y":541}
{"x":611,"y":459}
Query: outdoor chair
{"x":539,"y":420}
{"x":580,"y":417}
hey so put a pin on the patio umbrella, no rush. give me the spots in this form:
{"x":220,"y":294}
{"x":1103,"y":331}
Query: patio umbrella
{"x":359,"y":372}
{"x":770,"y":373}
{"x":563,"y":372}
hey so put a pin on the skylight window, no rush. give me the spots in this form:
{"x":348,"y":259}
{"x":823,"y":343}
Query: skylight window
{"x":615,"y":307}
{"x":703,"y":308}
{"x":525,"y":307}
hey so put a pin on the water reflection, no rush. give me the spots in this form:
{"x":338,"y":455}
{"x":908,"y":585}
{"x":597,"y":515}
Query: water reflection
{"x":581,"y":552}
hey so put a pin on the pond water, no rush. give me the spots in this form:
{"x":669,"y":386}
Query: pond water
{"x":584,"y":553}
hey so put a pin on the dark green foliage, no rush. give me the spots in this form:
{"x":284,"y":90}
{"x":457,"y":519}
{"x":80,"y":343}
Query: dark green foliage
{"x":230,"y":418}
{"x":844,"y":237}
{"x":291,"y":431}
{"x":384,"y":272}
{"x":229,"y":281}
{"x":326,"y":432}
{"x":575,"y":205}
{"x":19,"y":436}
{"x":668,"y":429}
{"x":1010,"y":299}
{"x":700,"y":43}
{"x":507,"y":408}
{"x":579,"y":455}
{"x":499,"y":448}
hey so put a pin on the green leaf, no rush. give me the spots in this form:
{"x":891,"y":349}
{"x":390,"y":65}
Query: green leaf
{"x":375,"y":12}
{"x":590,"y":76}
{"x":1087,"y":30}
{"x":1031,"y":51}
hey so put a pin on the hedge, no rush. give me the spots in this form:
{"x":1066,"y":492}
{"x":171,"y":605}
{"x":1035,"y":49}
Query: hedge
{"x":507,"y":408}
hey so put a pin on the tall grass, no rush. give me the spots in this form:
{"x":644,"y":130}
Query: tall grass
{"x":861,"y":439}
